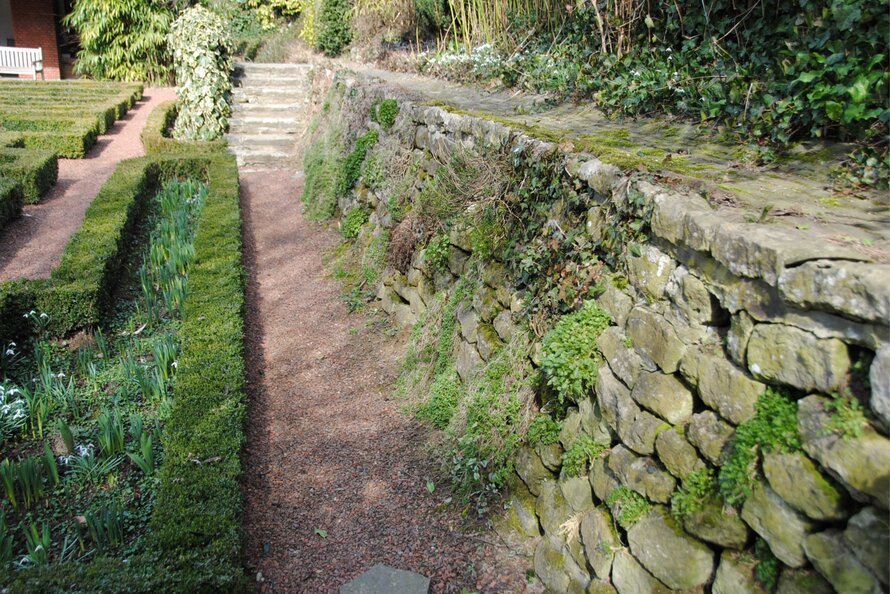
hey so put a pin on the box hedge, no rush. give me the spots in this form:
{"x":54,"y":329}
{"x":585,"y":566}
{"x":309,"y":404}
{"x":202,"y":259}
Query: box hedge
{"x":11,"y":200}
{"x":35,"y":170}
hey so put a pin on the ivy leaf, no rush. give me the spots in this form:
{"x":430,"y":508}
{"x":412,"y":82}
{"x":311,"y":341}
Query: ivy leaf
{"x":807,"y":77}
{"x":834,"y":110}
{"x":321,"y":533}
{"x":859,"y":90}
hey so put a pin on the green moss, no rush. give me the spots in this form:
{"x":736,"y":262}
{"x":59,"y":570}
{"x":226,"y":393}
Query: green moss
{"x":631,"y":506}
{"x":772,"y":429}
{"x":580,"y":455}
{"x":444,"y":395}
{"x":385,"y":113}
{"x":352,"y":165}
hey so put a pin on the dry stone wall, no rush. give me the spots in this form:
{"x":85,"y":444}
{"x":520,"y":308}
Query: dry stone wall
{"x":716,"y":313}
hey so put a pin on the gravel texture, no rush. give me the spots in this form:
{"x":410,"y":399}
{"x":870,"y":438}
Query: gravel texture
{"x":31,"y":246}
{"x":335,"y":475}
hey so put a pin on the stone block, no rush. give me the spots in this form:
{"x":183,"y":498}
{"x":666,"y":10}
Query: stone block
{"x":649,"y":272}
{"x":468,"y":320}
{"x":381,"y":578}
{"x":602,"y":480}
{"x":783,"y":528}
{"x":868,"y":536}
{"x":468,"y":360}
{"x":788,"y":355}
{"x":636,"y":428}
{"x":796,"y":479}
{"x":531,"y":470}
{"x":740,"y":329}
{"x":655,"y":338}
{"x":487,"y":341}
{"x":735,"y":575}
{"x":556,"y":568}
{"x":664,"y":395}
{"x":855,"y":289}
{"x":552,"y":508}
{"x":642,"y":474}
{"x":521,"y":515}
{"x":503,"y":325}
{"x":629,"y":577}
{"x":593,"y":423}
{"x":829,"y":554}
{"x":616,"y":303}
{"x":879,"y":377}
{"x":486,"y":304}
{"x":422,"y":137}
{"x":601,"y":177}
{"x":717,"y":525}
{"x":860,"y":463}
{"x":721,"y":385}
{"x":571,"y":428}
{"x":622,"y":359}
{"x":551,"y":456}
{"x":600,"y":541}
{"x":690,"y":296}
{"x":678,"y":456}
{"x":802,"y":581}
{"x":710,"y":435}
{"x":676,"y":559}
{"x":457,"y":260}
{"x":577,"y":492}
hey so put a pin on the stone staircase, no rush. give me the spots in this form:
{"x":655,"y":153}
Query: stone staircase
{"x":269,"y":106}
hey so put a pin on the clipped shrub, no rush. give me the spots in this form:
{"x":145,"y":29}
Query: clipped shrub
{"x":334,"y":30}
{"x":35,"y":170}
{"x":202,"y":51}
{"x":569,"y":353}
{"x":122,"y":39}
{"x":11,"y":200}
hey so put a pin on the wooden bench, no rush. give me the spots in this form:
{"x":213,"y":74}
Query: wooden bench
{"x":21,"y":60}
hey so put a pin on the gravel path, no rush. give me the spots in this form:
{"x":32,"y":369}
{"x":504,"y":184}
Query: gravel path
{"x":31,"y":246}
{"x":335,"y":476}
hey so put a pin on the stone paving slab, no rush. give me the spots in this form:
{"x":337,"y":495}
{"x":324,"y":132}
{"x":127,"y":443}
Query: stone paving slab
{"x":382,"y":579}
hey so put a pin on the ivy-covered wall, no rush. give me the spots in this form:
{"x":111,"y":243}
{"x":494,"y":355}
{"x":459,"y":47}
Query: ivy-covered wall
{"x":672,"y":396}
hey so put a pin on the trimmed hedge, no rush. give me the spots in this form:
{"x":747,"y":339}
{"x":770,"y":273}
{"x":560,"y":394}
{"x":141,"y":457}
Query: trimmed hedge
{"x":11,"y":200}
{"x":195,"y":538}
{"x":156,"y":136}
{"x":80,"y":288}
{"x":35,"y":170}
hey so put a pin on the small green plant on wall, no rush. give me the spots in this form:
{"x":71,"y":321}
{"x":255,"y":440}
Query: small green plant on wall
{"x":353,"y":222}
{"x":437,"y":251}
{"x":569,"y":355}
{"x":385,"y":113}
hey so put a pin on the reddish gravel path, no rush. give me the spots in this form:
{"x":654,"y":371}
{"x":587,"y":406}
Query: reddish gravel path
{"x":327,"y":448}
{"x":31,"y":246}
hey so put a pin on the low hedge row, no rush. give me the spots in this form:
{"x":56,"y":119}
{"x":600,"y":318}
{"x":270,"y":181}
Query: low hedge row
{"x":195,"y":542}
{"x":36,"y":170}
{"x":11,"y":200}
{"x":155,"y":134}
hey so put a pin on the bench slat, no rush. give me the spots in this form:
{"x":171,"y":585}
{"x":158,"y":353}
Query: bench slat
{"x":21,"y":60}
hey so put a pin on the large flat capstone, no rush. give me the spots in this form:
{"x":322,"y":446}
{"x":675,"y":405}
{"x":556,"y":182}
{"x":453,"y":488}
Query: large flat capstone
{"x":382,"y":579}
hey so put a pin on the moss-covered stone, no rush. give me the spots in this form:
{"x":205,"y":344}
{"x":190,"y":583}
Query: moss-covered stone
{"x":602,"y":479}
{"x":664,"y":395}
{"x":642,"y":474}
{"x":600,"y":540}
{"x":689,"y":294}
{"x":520,"y":515}
{"x":556,"y":568}
{"x":858,"y":462}
{"x":789,"y":355}
{"x":714,"y":524}
{"x":486,"y":304}
{"x":735,"y":575}
{"x":616,"y":303}
{"x":577,"y":492}
{"x":531,"y":470}
{"x":830,"y":555}
{"x":796,"y":479}
{"x":655,"y":338}
{"x":721,"y":385}
{"x":678,"y":456}
{"x":802,"y":581}
{"x":487,"y":341}
{"x":710,"y":435}
{"x":668,"y":553}
{"x":552,"y":508}
{"x":783,"y":528}
{"x":629,"y":577}
{"x":622,"y":359}
{"x":649,"y":272}
{"x":868,"y":536}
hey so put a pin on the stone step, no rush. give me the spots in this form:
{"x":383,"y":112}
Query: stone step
{"x":266,"y":94}
{"x":278,"y":82}
{"x":271,"y":108}
{"x":257,"y":67}
{"x":261,"y":140}
{"x":292,"y":121}
{"x":254,"y":129}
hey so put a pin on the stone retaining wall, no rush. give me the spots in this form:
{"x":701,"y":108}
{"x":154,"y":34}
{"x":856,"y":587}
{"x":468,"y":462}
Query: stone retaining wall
{"x":716,"y":311}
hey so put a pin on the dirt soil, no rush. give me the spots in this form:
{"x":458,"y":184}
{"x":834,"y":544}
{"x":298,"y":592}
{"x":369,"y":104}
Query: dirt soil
{"x":335,"y":475}
{"x":31,"y":246}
